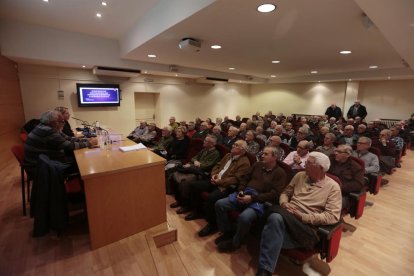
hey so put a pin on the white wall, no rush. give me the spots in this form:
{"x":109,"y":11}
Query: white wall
{"x":390,"y":99}
{"x":303,"y":98}
{"x":39,"y":85}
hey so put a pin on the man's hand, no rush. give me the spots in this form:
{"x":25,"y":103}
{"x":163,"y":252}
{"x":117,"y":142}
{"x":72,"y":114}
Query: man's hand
{"x":93,"y":141}
{"x":296,"y":159}
{"x":215,"y":179}
{"x":246,"y":199}
{"x":197,"y":164}
{"x":293,"y":210}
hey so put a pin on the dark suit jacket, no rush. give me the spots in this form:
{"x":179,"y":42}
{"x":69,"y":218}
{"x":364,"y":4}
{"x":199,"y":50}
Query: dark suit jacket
{"x":334,"y":112}
{"x":362,"y":112}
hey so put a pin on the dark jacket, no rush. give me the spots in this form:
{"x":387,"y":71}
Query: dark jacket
{"x":361,"y":112}
{"x":350,"y":173}
{"x":334,"y":112}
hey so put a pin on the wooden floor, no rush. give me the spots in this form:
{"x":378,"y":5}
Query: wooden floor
{"x":383,"y":244}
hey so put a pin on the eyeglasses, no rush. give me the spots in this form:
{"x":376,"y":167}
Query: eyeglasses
{"x":301,"y":148}
{"x":237,"y":145}
{"x":361,"y":143}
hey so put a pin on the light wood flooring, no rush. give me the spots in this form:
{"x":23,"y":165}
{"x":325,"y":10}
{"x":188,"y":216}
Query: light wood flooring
{"x":383,"y":243}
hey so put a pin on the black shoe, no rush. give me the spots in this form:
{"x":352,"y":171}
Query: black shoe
{"x":263,"y":272}
{"x":174,"y":205}
{"x":207,"y":230}
{"x":192,"y":216}
{"x":226,"y":236}
{"x":182,"y":210}
{"x":227,"y":246}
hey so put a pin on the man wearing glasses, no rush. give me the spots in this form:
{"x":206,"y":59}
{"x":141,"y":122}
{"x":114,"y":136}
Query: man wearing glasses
{"x":348,"y":171}
{"x":362,"y":152}
{"x":46,"y":138}
{"x":297,"y":159}
{"x":231,"y":168}
{"x":311,"y":199}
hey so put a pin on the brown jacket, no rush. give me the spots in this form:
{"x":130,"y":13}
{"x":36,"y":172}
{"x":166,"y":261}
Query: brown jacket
{"x":238,"y":168}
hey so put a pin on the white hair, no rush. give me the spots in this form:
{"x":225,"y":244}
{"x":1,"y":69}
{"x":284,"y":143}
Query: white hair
{"x":321,"y":159}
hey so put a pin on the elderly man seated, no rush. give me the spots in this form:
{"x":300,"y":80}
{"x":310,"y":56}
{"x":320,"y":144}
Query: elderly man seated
{"x":348,"y":171}
{"x":204,"y":130}
{"x":232,"y":136}
{"x":264,"y":183}
{"x":297,"y":159}
{"x":328,"y":147}
{"x":362,"y":152}
{"x":362,"y":131}
{"x":140,"y":130}
{"x":387,"y":150}
{"x":47,"y":138}
{"x":217,"y":132}
{"x":252,"y":146}
{"x":148,"y":137}
{"x":231,"y":168}
{"x":164,"y":142}
{"x":348,"y":137}
{"x":311,"y":199}
{"x":173,"y":124}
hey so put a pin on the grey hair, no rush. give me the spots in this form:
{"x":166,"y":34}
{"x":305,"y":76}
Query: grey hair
{"x":330,"y":136}
{"x":61,"y":109}
{"x":366,"y":139}
{"x":321,"y":159}
{"x":275,"y":151}
{"x":49,"y":116}
{"x":243,"y":144}
{"x":347,"y":148}
{"x":212,"y":137}
{"x":386,"y":132}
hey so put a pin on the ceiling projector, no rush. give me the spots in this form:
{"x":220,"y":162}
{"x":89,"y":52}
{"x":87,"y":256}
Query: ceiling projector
{"x":189,"y":44}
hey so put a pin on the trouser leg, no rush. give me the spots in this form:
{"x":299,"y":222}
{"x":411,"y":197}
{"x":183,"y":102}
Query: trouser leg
{"x":244,"y":223}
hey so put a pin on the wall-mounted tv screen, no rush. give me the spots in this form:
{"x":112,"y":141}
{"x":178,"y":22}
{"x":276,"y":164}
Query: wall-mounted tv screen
{"x":92,"y":94}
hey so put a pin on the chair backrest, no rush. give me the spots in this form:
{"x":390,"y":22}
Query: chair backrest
{"x":196,"y":145}
{"x":252,"y":158}
{"x":359,"y":161}
{"x":222,"y":149}
{"x":286,"y":148}
{"x":18,"y":151}
{"x":375,"y":151}
{"x":287,"y":169}
{"x":261,"y":143}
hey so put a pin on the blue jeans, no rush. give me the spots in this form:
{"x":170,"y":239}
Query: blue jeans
{"x":274,"y":238}
{"x":246,"y":218}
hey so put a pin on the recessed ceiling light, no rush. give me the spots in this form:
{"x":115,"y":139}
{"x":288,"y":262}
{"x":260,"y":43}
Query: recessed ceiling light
{"x":349,"y":79}
{"x":314,"y":72}
{"x":232,"y":68}
{"x":345,"y":52}
{"x":389,"y":77}
{"x":215,"y":47}
{"x":373,"y":66}
{"x":83,"y":66}
{"x":145,"y":72}
{"x":273,"y":76}
{"x":319,"y":81}
{"x":45,"y":0}
{"x":266,"y":7}
{"x":275,"y":61}
{"x":152,"y":56}
{"x":176,"y":75}
{"x":104,"y":3}
{"x":98,"y":15}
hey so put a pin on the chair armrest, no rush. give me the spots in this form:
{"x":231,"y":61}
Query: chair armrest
{"x":357,"y":196}
{"x":328,"y":230}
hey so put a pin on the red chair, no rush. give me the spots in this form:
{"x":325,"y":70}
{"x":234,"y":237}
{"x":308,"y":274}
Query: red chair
{"x":26,"y":173}
{"x":286,"y":148}
{"x":196,"y":145}
{"x":23,"y":136}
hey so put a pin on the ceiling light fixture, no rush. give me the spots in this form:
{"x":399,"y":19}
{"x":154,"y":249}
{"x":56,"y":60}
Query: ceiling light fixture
{"x":349,"y":79}
{"x":99,"y":15}
{"x":345,"y":52}
{"x":83,"y":66}
{"x":389,"y":77}
{"x":232,"y":68}
{"x":145,"y":72}
{"x":104,"y":3}
{"x":46,"y":1}
{"x":275,"y":61}
{"x":215,"y":47}
{"x":373,"y":66}
{"x":266,"y":7}
{"x":152,"y":56}
{"x":273,"y":76}
{"x":314,"y":72}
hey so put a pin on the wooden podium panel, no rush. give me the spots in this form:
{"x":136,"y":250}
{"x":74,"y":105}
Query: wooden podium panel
{"x":125,"y":192}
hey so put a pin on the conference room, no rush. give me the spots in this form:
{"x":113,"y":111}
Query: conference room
{"x":203,"y":59}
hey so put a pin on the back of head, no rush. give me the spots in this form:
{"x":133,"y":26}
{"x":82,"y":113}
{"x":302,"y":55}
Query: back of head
{"x":49,"y":116}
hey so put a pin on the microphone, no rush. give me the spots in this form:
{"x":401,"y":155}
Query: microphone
{"x":83,"y":122}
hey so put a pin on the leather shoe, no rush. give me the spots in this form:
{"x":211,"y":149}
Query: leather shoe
{"x":226,"y":236}
{"x":174,"y":205}
{"x":207,"y":230}
{"x":227,"y":246}
{"x":192,"y":216}
{"x":263,"y":272}
{"x":182,"y":210}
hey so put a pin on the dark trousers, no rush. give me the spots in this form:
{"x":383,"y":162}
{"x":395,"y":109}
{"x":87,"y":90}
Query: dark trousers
{"x":206,"y":206}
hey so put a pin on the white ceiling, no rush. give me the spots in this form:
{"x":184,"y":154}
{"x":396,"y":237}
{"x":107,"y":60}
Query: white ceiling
{"x":304,"y":35}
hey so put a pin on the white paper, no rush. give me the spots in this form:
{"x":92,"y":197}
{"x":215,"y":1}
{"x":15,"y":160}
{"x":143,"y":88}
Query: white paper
{"x":139,"y":146}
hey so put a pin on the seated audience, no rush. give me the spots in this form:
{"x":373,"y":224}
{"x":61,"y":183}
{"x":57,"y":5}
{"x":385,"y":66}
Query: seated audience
{"x":191,"y":130}
{"x":302,"y":135}
{"x":272,"y":127}
{"x":67,"y":130}
{"x":164,"y":142}
{"x":348,"y":137}
{"x":198,"y":168}
{"x":362,"y":152}
{"x":331,"y":124}
{"x":274,"y":142}
{"x":322,"y":132}
{"x":328,"y":147}
{"x":396,"y":139}
{"x":173,"y":124}
{"x":311,"y":199}
{"x":232,"y":136}
{"x":136,"y":134}
{"x":202,"y":132}
{"x":297,"y":159}
{"x":217,"y":132}
{"x":264,"y":183}
{"x":231,"y":168}
{"x":348,"y":171}
{"x":47,"y":138}
{"x":177,"y":149}
{"x":387,"y":151}
{"x":242,"y":130}
{"x":148,"y":138}
{"x":289,"y":129}
{"x":252,"y":146}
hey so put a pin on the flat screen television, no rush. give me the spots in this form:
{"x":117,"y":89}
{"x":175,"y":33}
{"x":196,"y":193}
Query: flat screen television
{"x":92,"y":94}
